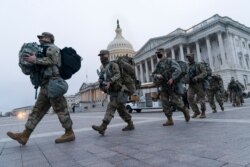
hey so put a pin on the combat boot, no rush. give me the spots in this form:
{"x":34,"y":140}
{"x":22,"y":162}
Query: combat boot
{"x":129,"y":127}
{"x":66,"y":137}
{"x":169,"y":122}
{"x":101,"y":129}
{"x":203,"y":115}
{"x":214,"y":111}
{"x":186,"y":114}
{"x":196,"y":114}
{"x":222,"y":108}
{"x":22,"y":137}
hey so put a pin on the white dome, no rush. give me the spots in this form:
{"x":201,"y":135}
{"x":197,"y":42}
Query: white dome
{"x":120,"y":46}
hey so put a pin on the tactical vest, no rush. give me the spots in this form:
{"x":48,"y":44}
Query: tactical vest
{"x":105,"y":75}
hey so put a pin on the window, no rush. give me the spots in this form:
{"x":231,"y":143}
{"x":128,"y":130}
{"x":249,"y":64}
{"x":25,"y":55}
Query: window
{"x":243,"y":44}
{"x":236,"y":42}
{"x":219,"y":59}
{"x":245,"y":80}
{"x":247,"y":60}
{"x":241,"y":60}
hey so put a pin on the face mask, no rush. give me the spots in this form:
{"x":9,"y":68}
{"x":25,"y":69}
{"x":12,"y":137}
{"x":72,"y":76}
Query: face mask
{"x":104,"y":60}
{"x":159,"y":55}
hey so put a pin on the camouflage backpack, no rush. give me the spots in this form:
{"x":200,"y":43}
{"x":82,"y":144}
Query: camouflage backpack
{"x":208,"y":69}
{"x":27,"y":48}
{"x":128,"y":77}
{"x":184,"y":67}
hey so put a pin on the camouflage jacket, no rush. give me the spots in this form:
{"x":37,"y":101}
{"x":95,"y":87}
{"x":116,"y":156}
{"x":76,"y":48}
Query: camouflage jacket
{"x":50,"y":61}
{"x":168,"y":68}
{"x":216,"y":84}
{"x":197,"y":71}
{"x":110,"y":72}
{"x":234,"y":86}
{"x":46,"y":65}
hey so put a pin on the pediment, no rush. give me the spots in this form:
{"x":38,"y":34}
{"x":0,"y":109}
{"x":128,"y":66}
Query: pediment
{"x":152,"y":43}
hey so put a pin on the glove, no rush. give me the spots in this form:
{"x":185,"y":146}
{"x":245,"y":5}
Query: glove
{"x":195,"y":79}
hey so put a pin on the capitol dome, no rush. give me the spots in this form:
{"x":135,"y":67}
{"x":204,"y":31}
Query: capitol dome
{"x":120,"y":46}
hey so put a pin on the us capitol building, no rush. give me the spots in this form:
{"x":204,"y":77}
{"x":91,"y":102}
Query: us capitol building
{"x":219,"y":41}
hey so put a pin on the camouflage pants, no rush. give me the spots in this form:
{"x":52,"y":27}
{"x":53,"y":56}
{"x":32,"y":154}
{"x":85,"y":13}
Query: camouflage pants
{"x":211,"y":94}
{"x":114,"y":105}
{"x":236,"y":98}
{"x":196,"y":89}
{"x":171,"y":99}
{"x":42,"y":106}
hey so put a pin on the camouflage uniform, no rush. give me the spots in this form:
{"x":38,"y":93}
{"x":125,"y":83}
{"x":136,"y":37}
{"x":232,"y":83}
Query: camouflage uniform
{"x":43,"y":102}
{"x":215,"y":89}
{"x":226,"y":95}
{"x":110,"y":73}
{"x":49,"y":63}
{"x":235,"y":90}
{"x":195,"y":77}
{"x":170,"y":95}
{"x":242,"y":88}
{"x":115,"y":94}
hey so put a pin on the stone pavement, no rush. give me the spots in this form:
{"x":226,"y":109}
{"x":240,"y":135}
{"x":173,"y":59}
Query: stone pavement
{"x":221,"y":140}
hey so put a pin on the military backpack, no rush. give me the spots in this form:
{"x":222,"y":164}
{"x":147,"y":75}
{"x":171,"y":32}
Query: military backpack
{"x":70,"y":62}
{"x":128,"y":77}
{"x":27,"y":49}
{"x":208,"y":69}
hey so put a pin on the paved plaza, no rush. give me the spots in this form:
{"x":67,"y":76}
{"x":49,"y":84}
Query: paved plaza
{"x":221,"y":140}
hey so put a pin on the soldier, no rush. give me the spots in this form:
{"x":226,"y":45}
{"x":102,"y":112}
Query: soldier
{"x":241,"y":90}
{"x":235,"y":90}
{"x":215,"y":89}
{"x":50,"y":62}
{"x":226,"y":96}
{"x":166,"y":74}
{"x":110,"y":82}
{"x":195,"y":77}
{"x":230,"y":89}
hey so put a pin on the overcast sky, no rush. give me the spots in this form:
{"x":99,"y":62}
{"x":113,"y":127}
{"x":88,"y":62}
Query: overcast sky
{"x":89,"y":26}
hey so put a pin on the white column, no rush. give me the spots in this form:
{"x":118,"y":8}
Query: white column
{"x":152,"y":64}
{"x":235,"y":59}
{"x":181,"y":53}
{"x":210,"y":58}
{"x":243,"y":55}
{"x":188,"y":50}
{"x":136,"y":71}
{"x":172,"y":53}
{"x":147,"y":74}
{"x":222,"y":49}
{"x":141,"y":73}
{"x":248,"y":52}
{"x":198,"y":51}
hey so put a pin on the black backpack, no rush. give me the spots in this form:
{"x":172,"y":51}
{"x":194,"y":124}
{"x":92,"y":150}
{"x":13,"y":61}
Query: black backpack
{"x":70,"y":62}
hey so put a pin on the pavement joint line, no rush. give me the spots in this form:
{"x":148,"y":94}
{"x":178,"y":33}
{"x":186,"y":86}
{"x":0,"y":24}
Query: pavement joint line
{"x":134,"y":117}
{"x":177,"y":118}
{"x":245,"y":121}
{"x":56,"y":133}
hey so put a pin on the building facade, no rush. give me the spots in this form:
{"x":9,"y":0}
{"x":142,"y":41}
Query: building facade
{"x":91,"y":96}
{"x":219,"y":41}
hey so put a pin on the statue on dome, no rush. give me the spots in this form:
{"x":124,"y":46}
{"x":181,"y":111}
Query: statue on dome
{"x":118,"y":26}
